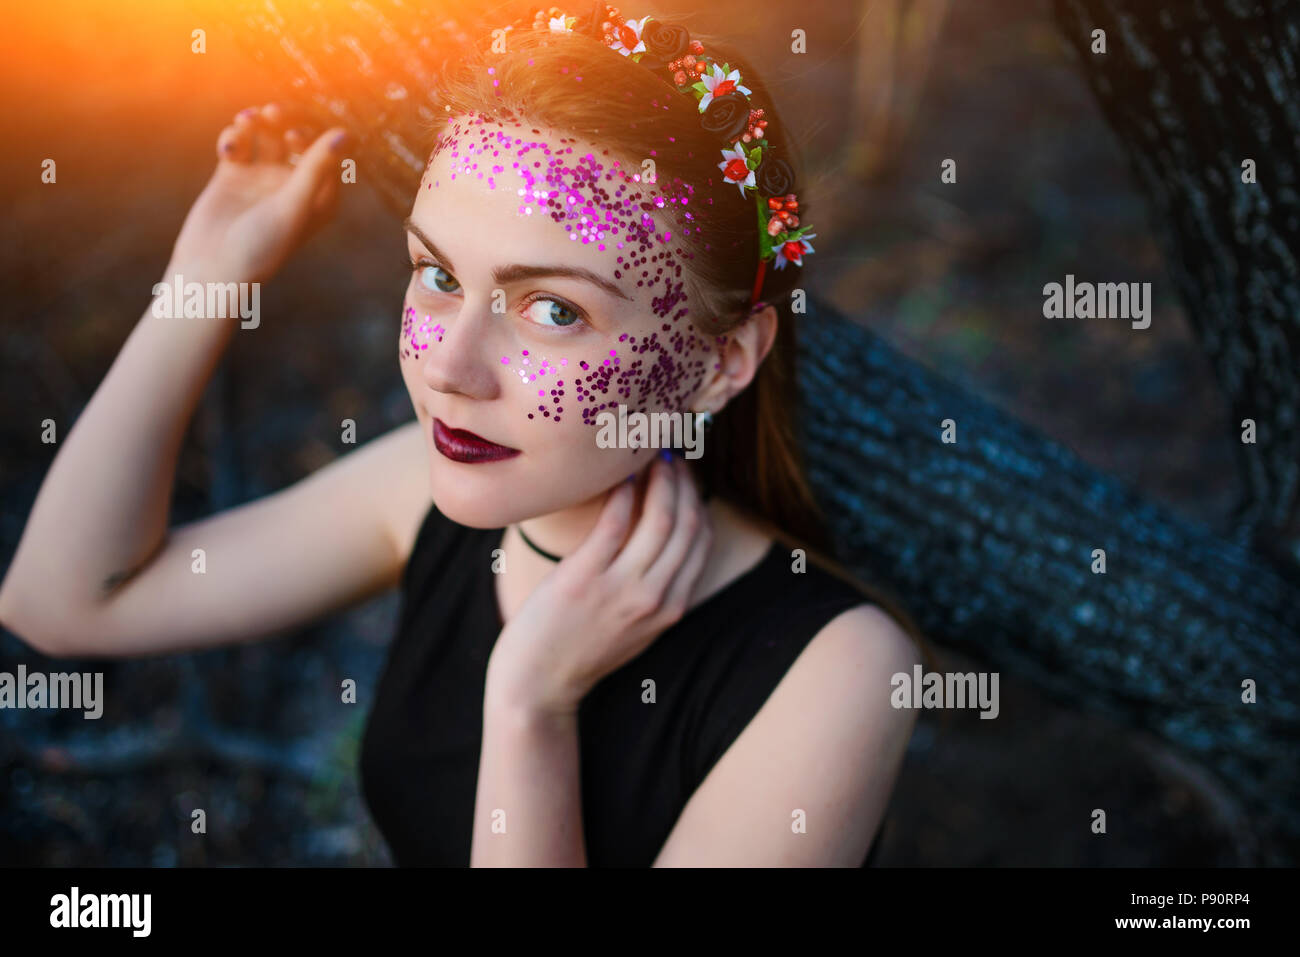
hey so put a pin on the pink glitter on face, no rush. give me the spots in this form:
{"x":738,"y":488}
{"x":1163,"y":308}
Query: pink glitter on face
{"x":417,"y":333}
{"x":597,"y":204}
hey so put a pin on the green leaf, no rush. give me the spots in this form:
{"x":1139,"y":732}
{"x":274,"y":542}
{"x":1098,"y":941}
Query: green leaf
{"x":764,"y":240}
{"x":701,"y":88}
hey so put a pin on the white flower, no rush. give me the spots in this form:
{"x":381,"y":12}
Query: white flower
{"x":620,"y":37}
{"x":730,"y":158}
{"x":805,"y":247}
{"x":719,"y":84}
{"x":562,"y":24}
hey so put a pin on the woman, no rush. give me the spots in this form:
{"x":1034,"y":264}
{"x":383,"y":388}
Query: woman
{"x":606,"y":656}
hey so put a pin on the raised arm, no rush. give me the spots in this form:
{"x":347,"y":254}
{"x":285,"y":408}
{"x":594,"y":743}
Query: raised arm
{"x":97,"y":571}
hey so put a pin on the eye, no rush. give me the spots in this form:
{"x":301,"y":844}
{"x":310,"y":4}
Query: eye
{"x":434,"y":278}
{"x":551,"y":312}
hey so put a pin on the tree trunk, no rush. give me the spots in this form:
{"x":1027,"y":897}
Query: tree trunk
{"x":1193,"y":90}
{"x":989,"y":541}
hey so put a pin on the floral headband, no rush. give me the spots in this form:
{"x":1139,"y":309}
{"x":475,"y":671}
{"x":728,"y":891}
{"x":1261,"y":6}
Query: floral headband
{"x":724,"y":110}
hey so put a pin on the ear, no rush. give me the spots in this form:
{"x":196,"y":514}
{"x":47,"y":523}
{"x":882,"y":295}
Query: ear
{"x":746,"y":348}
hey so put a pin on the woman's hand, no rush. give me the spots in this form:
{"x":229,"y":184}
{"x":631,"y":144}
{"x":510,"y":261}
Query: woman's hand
{"x":603,"y":605}
{"x":258,"y":208}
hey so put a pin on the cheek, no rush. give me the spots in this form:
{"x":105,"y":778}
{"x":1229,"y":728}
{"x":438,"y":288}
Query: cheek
{"x":655,"y":371}
{"x":419,"y":331}
{"x":541,"y":383}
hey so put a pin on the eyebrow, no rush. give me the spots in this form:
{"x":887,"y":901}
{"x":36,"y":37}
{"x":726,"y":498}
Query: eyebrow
{"x":517,"y":272}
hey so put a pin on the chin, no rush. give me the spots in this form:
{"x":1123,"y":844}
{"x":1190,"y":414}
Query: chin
{"x":469,"y":500}
{"x":493,"y":499}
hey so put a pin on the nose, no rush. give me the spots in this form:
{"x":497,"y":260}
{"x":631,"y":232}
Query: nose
{"x":460,"y":362}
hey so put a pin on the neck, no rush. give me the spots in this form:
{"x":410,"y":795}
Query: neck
{"x":736,"y":546}
{"x":560,"y":533}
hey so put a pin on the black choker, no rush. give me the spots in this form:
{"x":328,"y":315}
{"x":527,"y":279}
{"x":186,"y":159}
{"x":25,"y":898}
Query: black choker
{"x":533,"y":545}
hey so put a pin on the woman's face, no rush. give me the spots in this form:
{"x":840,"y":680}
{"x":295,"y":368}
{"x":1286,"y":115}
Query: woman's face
{"x":546,"y":289}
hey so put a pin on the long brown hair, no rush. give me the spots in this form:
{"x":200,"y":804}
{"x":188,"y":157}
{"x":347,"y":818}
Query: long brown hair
{"x":573,"y":84}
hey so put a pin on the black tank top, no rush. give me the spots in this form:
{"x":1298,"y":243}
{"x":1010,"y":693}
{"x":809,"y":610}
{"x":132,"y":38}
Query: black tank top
{"x":713,"y":669}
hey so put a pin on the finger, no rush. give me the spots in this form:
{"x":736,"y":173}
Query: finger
{"x":284,"y":116}
{"x":691,"y":517}
{"x":324,"y":203}
{"x":678,"y":595}
{"x":655,"y":525}
{"x":316,"y":173}
{"x":273,"y":115}
{"x":246,"y":130}
{"x":323,"y":206}
{"x":295,"y":141}
{"x":598,"y":549}
{"x":231,"y":145}
{"x":268,"y":122}
{"x":326,"y":199}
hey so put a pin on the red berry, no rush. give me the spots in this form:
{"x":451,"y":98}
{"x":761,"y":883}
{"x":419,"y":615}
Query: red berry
{"x":680,"y":77}
{"x":699,"y":67}
{"x":697,"y":47}
{"x":774,"y":202}
{"x":688,"y":61}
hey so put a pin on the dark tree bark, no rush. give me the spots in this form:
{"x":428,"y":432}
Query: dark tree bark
{"x":989,"y":542}
{"x":1192,"y":89}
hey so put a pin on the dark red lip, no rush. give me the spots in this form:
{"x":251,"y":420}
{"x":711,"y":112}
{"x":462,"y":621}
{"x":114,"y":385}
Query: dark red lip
{"x":460,"y":445}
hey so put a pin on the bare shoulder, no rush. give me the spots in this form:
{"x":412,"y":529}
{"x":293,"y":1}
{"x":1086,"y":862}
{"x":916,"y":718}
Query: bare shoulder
{"x":847,"y":670}
{"x":824,"y":751}
{"x":866,"y":637}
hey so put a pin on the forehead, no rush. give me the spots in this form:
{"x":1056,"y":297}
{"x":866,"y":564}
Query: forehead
{"x":529,"y":195}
